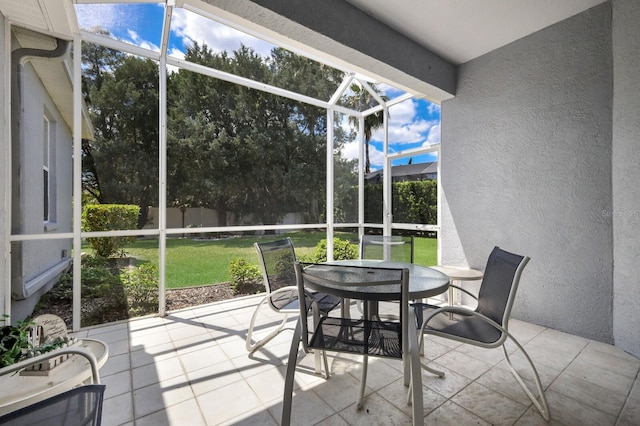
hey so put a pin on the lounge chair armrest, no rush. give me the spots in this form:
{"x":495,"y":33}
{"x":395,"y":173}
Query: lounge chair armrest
{"x":464,"y":291}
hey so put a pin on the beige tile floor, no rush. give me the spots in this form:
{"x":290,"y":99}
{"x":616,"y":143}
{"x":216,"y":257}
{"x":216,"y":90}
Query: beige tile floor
{"x":191,"y":368}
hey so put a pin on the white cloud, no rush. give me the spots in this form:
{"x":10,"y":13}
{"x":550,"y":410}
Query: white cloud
{"x":434,"y":135}
{"x":350,"y":150}
{"x":135,"y":39}
{"x":433,"y":109}
{"x":121,"y":19}
{"x":110,"y":16}
{"x":218,"y":37}
{"x":376,"y":157}
{"x":405,"y":125}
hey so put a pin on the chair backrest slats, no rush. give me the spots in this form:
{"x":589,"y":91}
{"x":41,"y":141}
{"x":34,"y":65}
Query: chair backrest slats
{"x":499,"y":284}
{"x":78,"y":406}
{"x":395,"y":247}
{"x":276,"y":261}
{"x":339,"y":277}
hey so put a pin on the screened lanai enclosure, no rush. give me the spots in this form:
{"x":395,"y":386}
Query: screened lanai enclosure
{"x":213,"y":131}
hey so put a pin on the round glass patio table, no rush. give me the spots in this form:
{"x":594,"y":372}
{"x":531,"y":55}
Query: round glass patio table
{"x":424,"y":282}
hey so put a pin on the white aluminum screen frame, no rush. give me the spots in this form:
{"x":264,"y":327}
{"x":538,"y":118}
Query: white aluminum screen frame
{"x":162,"y":232}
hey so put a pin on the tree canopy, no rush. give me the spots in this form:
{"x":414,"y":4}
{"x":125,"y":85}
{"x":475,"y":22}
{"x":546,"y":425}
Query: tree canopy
{"x":248,"y":154}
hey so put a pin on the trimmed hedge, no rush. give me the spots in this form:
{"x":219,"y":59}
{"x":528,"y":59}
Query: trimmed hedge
{"x":109,"y":217}
{"x":413,"y":202}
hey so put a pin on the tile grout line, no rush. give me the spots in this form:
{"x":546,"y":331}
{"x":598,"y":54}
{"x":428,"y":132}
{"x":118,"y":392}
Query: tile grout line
{"x":627,"y":399}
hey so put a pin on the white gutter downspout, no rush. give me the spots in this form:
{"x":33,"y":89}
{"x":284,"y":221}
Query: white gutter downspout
{"x":18,"y":59}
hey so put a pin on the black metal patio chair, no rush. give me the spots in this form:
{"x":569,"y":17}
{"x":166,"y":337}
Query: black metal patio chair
{"x":488,"y":325}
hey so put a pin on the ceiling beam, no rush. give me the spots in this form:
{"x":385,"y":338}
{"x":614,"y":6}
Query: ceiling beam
{"x":344,"y":34}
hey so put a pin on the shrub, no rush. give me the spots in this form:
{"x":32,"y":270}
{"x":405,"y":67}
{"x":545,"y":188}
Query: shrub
{"x":97,"y":281}
{"x":14,"y":342}
{"x":108,"y":217}
{"x":342,"y":250}
{"x":141,"y":288}
{"x":246,"y":278}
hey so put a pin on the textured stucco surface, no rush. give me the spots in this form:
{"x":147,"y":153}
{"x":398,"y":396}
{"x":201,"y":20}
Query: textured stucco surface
{"x":626,"y":174}
{"x":526,"y":165}
{"x":343,"y":34}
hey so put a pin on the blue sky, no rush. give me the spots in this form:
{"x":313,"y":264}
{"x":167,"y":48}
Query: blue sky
{"x":413,"y":123}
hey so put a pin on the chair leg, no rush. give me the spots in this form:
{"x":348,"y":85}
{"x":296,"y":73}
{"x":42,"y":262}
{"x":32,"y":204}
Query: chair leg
{"x":363,"y":381}
{"x":249,"y":344}
{"x":287,"y":397}
{"x":345,"y":308}
{"x":327,"y":373}
{"x":426,"y":367}
{"x":416,"y":377}
{"x":541,"y":404}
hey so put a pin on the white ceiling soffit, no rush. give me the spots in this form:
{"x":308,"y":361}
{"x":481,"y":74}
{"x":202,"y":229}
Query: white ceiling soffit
{"x":461,"y":30}
{"x":54,"y":17}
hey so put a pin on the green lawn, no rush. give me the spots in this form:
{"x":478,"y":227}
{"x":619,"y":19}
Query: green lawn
{"x":191,"y":262}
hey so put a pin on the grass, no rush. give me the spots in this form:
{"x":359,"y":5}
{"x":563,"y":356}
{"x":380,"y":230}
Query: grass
{"x":199,"y":262}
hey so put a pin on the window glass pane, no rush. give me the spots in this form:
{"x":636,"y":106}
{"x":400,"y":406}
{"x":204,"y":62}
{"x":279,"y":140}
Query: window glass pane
{"x":45,"y":168}
{"x":45,"y":144}
{"x":45,"y":191}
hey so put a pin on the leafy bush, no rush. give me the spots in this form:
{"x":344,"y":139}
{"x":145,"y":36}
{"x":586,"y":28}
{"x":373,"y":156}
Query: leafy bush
{"x":246,"y":278}
{"x":14,"y":342}
{"x":141,"y":288}
{"x":97,"y":281}
{"x":342,"y":250}
{"x":108,"y":217}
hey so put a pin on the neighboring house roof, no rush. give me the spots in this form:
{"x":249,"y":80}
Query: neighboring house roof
{"x":400,"y":172}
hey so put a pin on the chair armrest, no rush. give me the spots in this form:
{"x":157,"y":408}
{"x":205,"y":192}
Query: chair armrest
{"x":75,"y":350}
{"x":463,"y":311}
{"x":283,"y":290}
{"x":464,"y":291}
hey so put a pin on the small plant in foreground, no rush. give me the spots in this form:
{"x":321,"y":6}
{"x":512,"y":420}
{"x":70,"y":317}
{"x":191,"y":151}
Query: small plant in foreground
{"x":141,"y":287}
{"x":245,"y":277}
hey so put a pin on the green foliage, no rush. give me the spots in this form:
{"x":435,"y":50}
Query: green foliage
{"x":246,"y":278}
{"x":360,"y":100}
{"x":230,"y":148}
{"x":342,"y":250}
{"x":14,"y":342}
{"x":107,"y":217}
{"x":16,"y":346}
{"x":141,"y":287}
{"x":413,"y":202}
{"x":62,"y":290}
{"x":97,"y":281}
{"x":120,"y":166}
